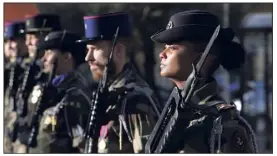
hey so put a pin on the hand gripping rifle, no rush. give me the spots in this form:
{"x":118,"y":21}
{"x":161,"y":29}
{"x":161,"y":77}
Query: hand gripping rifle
{"x":93,"y":128}
{"x":165,"y":134}
{"x":22,"y":95}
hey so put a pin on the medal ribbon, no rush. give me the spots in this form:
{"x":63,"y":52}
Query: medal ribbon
{"x":103,"y":131}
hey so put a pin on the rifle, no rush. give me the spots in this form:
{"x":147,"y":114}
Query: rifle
{"x":10,"y":91}
{"x":165,"y":132}
{"x":14,"y":73}
{"x":93,"y":128}
{"x":21,"y":102}
{"x":39,"y":109}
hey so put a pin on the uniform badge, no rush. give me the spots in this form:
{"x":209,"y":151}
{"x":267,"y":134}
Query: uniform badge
{"x":50,"y":121}
{"x":21,"y":31}
{"x":53,"y":123}
{"x":169,"y":25}
{"x":47,"y":120}
{"x":102,"y":144}
{"x":239,"y":140}
{"x":34,"y":100}
{"x":46,"y":38}
{"x":28,"y":22}
{"x":36,"y":93}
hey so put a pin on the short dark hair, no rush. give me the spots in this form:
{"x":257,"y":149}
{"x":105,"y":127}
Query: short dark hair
{"x":128,"y":43}
{"x":78,"y":52}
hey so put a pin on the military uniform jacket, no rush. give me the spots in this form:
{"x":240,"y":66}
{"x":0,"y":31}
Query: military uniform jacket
{"x":15,"y":76}
{"x":35,"y":75}
{"x":216,"y":128}
{"x":7,"y":66}
{"x":129,"y":120}
{"x":61,"y":125}
{"x":31,"y":77}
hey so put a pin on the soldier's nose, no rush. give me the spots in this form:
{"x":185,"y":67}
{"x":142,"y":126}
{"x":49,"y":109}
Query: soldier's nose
{"x":10,"y":46}
{"x":27,"y":42}
{"x":89,"y":56}
{"x":162,"y":55}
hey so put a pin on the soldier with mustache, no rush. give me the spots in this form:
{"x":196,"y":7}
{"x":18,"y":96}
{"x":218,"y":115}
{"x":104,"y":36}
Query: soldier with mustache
{"x":126,"y":122}
{"x":36,"y":28}
{"x":66,"y":102}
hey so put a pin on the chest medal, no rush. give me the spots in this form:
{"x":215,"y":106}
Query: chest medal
{"x":102,"y":144}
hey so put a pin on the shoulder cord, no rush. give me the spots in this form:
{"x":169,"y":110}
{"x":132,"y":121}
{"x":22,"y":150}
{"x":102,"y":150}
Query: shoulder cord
{"x":216,"y":131}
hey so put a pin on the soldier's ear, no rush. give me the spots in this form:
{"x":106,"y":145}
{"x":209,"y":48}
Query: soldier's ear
{"x":119,"y":50}
{"x":67,"y":56}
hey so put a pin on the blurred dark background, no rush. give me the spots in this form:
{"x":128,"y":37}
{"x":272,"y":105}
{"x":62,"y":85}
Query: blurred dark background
{"x":250,"y":88}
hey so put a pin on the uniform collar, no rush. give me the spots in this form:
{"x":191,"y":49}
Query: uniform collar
{"x":58,"y":79}
{"x":204,"y":92}
{"x":123,"y":78}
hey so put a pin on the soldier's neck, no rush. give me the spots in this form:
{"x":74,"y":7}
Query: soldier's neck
{"x":32,"y":55}
{"x":12,"y":59}
{"x":179,"y":84}
{"x":69,"y":68}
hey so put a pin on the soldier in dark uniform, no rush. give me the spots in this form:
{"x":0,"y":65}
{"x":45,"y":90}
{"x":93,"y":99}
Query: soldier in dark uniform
{"x":15,"y":47}
{"x":208,"y":123}
{"x":60,"y":127}
{"x":125,"y":123}
{"x":36,"y":28}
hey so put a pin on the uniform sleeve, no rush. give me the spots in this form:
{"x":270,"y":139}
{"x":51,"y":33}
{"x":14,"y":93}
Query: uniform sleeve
{"x":236,"y":138}
{"x":51,"y":138}
{"x":60,"y":131}
{"x":141,"y":119}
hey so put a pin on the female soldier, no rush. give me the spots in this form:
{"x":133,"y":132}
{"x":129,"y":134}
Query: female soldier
{"x":206,"y":123}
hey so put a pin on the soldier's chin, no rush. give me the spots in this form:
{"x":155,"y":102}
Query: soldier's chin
{"x":97,"y":75}
{"x":164,"y":73}
{"x":32,"y":54}
{"x":46,"y":70}
{"x":167,"y":74}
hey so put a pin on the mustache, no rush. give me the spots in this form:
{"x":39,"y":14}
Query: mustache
{"x":102,"y":66}
{"x":14,"y":49}
{"x":95,"y":63}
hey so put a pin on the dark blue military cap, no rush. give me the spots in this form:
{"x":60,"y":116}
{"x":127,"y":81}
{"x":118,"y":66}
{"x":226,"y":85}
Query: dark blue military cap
{"x":193,"y":25}
{"x":43,"y":23}
{"x":103,"y":27}
{"x":14,"y":30}
{"x":63,"y":40}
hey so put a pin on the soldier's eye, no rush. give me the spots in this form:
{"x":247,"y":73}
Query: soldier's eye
{"x":173,"y":48}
